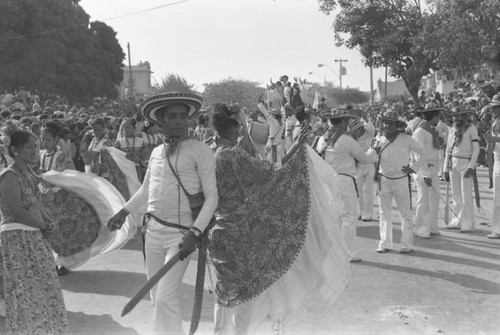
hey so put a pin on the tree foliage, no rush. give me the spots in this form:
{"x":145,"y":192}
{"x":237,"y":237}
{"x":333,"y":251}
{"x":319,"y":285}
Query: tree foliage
{"x":174,"y":83}
{"x":413,"y":40}
{"x":51,"y":46}
{"x":244,"y":92}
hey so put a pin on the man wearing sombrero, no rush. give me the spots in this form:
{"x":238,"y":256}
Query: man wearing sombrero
{"x":178,"y":167}
{"x":341,"y":152}
{"x":460,"y":162}
{"x":393,"y":177}
{"x":493,"y":138}
{"x":426,"y":220}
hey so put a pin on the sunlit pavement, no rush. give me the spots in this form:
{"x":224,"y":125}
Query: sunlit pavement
{"x":450,"y":284}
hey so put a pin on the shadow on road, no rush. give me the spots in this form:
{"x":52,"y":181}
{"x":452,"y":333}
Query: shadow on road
{"x":80,"y":323}
{"x":103,"y":282}
{"x":478,"y":285}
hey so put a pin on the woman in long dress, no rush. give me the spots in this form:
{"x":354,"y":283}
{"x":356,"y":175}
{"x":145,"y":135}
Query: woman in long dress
{"x":133,"y":145}
{"x":98,"y":143}
{"x":277,"y":240}
{"x":33,"y":296}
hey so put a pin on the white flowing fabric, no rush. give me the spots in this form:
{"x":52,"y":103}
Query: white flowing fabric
{"x":127,"y":167}
{"x":320,"y":271}
{"x":104,"y":199}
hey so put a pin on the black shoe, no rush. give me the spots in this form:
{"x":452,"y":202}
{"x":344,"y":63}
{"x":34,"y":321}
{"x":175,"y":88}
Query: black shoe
{"x":61,"y":271}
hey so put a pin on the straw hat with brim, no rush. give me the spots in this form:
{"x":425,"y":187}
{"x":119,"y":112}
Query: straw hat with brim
{"x":432,"y":109}
{"x":340,"y":114}
{"x":458,"y":110}
{"x":393,"y":116}
{"x":494,"y":104}
{"x":154,"y":103}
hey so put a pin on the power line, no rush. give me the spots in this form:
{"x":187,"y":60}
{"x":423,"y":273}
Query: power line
{"x":85,"y":24}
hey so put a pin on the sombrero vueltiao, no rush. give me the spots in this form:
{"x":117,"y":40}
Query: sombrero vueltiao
{"x":153,"y":104}
{"x":459,"y":110}
{"x":393,"y":116}
{"x":340,"y":114}
{"x":434,"y":108}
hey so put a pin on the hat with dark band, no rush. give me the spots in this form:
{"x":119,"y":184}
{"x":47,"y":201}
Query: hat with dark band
{"x":153,"y":104}
{"x":339,"y":114}
{"x":393,"y":116}
{"x":459,"y":110}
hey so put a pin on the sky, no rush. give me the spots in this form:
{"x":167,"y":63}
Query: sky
{"x":206,"y":41}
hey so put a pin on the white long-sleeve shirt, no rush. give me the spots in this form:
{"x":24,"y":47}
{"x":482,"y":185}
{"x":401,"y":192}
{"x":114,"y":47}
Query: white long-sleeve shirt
{"x":430,"y":155}
{"x":275,"y":129}
{"x":341,"y":155}
{"x":160,"y":193}
{"x":397,"y":155}
{"x":467,"y":149}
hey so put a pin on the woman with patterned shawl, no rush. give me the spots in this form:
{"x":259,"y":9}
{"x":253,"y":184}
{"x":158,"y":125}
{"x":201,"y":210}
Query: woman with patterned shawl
{"x":133,"y":145}
{"x":277,"y":240}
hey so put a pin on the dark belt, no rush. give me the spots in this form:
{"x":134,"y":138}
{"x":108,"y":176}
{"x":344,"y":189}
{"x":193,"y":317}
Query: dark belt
{"x":353,"y":180}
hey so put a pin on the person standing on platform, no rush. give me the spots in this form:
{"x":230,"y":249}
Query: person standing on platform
{"x":460,"y":162}
{"x":392,"y":173}
{"x":426,"y":220}
{"x":341,"y":152}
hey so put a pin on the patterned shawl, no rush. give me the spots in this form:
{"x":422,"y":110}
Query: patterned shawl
{"x":459,"y":134}
{"x":436,"y":143}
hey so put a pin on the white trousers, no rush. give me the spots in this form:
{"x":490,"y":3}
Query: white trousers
{"x":348,"y":218}
{"x":233,"y":321}
{"x":495,"y":220}
{"x":364,"y":178}
{"x":261,"y":151}
{"x":463,"y":201}
{"x":426,"y":219}
{"x":398,"y":190}
{"x":441,"y":162}
{"x":161,"y":245}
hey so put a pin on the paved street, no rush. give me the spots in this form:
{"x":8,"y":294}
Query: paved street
{"x":449,"y":285}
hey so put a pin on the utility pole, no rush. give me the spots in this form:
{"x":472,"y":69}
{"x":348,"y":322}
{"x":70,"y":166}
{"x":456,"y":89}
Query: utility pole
{"x":131,"y":83}
{"x":340,"y":69}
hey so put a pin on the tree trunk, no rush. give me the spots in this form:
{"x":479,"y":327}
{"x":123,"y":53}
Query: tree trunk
{"x":412,"y":79}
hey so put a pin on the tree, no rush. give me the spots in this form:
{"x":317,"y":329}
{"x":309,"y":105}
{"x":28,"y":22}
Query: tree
{"x":244,"y":92}
{"x":467,"y":29}
{"x":174,"y":83}
{"x":413,"y":40}
{"x":347,"y":96}
{"x":52,"y":47}
{"x":387,"y":33}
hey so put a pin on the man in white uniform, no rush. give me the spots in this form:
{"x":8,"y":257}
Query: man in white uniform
{"x":426,"y":135}
{"x":365,"y":172}
{"x":274,"y":147}
{"x":393,"y":170}
{"x":341,"y":151}
{"x":460,"y":162}
{"x":495,"y":138}
{"x":171,"y":225}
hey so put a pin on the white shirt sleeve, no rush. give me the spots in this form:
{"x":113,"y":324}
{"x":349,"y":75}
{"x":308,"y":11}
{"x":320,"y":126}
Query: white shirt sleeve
{"x":206,"y":171}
